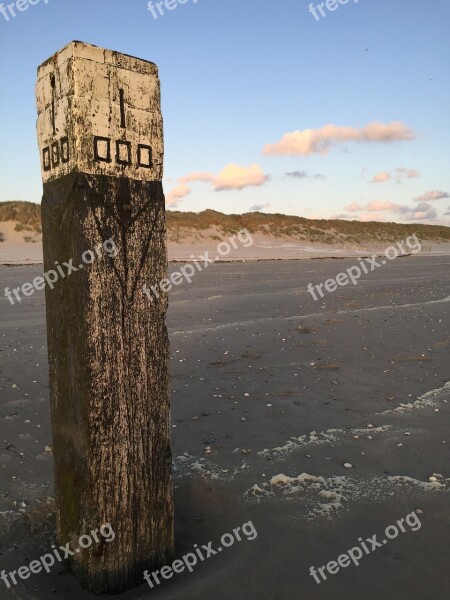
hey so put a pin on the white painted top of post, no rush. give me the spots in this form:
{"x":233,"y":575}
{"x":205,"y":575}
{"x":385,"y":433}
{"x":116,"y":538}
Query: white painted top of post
{"x":99,"y":112}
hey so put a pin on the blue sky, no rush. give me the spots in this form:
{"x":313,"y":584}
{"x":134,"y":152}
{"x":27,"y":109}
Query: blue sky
{"x":237,"y":76}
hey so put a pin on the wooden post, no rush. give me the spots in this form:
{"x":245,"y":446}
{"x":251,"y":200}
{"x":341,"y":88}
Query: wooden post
{"x":101,"y":145}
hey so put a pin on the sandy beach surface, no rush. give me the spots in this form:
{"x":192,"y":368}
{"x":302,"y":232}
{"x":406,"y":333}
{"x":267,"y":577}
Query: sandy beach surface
{"x":14,"y":250}
{"x":319,"y":422}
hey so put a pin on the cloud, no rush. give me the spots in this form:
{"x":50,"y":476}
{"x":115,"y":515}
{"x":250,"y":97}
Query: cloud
{"x":319,"y":141}
{"x":354,"y":207}
{"x":364,"y":217}
{"x":380,"y":177}
{"x":341,"y":216}
{"x":374,"y":206}
{"x":298,"y":174}
{"x":446,"y":214}
{"x":304,"y":174}
{"x":434,"y":195}
{"x":231,"y":177}
{"x":200,"y":176}
{"x":174,"y":196}
{"x":403,"y":173}
{"x":399,"y":174}
{"x":422,"y":212}
{"x":371,"y":217}
{"x":236,"y":177}
{"x":380,"y":206}
{"x":258,"y":207}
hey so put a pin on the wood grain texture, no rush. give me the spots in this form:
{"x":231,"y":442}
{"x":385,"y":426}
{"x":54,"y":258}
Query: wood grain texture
{"x":108,"y":354}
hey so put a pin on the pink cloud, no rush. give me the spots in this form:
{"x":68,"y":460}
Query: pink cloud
{"x":380,"y":206}
{"x":354,"y":207}
{"x":231,"y":177}
{"x":434,"y":195}
{"x":236,"y":177}
{"x":422,"y":212}
{"x":319,"y":141}
{"x":371,"y":217}
{"x":403,"y":173}
{"x":174,"y":196}
{"x":200,"y":176}
{"x":380,"y":177}
{"x":399,"y":174}
{"x":375,"y":206}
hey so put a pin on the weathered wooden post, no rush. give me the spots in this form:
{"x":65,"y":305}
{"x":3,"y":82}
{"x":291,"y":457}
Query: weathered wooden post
{"x":101,"y":144}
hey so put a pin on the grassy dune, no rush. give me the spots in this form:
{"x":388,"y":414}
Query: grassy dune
{"x":211,"y":224}
{"x":181,"y":225}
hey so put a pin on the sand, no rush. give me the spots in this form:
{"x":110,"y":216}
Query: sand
{"x":272,"y":395}
{"x":16,"y":251}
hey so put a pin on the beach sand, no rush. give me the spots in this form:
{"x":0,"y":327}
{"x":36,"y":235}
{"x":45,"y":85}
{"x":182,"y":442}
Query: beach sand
{"x":272,"y":394}
{"x":14,"y":250}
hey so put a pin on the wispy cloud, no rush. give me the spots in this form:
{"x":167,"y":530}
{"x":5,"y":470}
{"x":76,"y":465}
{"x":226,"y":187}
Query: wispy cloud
{"x":399,"y":174}
{"x":402,"y":173}
{"x":297,"y":174}
{"x":374,"y":206}
{"x":434,"y":195}
{"x":258,"y":207}
{"x":366,"y":217}
{"x":231,"y":177}
{"x":342,"y":216}
{"x":380,"y":177}
{"x":304,"y":175}
{"x":319,"y":141}
{"x":423,"y":211}
{"x":174,"y":196}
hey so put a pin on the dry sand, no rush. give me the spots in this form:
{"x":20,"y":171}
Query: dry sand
{"x":16,"y":251}
{"x":272,"y":394}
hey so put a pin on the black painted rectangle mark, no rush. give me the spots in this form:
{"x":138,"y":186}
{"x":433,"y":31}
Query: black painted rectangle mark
{"x":65,"y":150}
{"x":102,"y":149}
{"x":145,"y":156}
{"x":55,"y":154}
{"x":122,"y":109}
{"x":119,"y":147}
{"x":46,"y":159}
{"x":53,"y":86}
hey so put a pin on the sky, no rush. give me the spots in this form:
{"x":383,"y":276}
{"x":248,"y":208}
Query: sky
{"x":267,"y":105}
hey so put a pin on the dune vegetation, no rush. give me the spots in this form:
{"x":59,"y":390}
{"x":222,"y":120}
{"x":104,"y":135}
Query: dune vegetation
{"x":211,"y":224}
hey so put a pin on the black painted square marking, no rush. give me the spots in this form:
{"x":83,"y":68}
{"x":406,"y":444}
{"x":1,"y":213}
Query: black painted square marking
{"x":145,"y":156}
{"x":102,"y":158}
{"x":55,"y":154}
{"x":65,"y":150}
{"x":46,"y":159}
{"x":119,"y":146}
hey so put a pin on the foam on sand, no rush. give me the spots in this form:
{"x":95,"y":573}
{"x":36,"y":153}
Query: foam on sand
{"x":317,"y":496}
{"x":330,"y":436}
{"x":429,"y":400}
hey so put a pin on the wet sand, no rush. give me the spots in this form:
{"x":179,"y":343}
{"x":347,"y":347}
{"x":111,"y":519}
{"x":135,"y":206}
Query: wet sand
{"x":268,"y":385}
